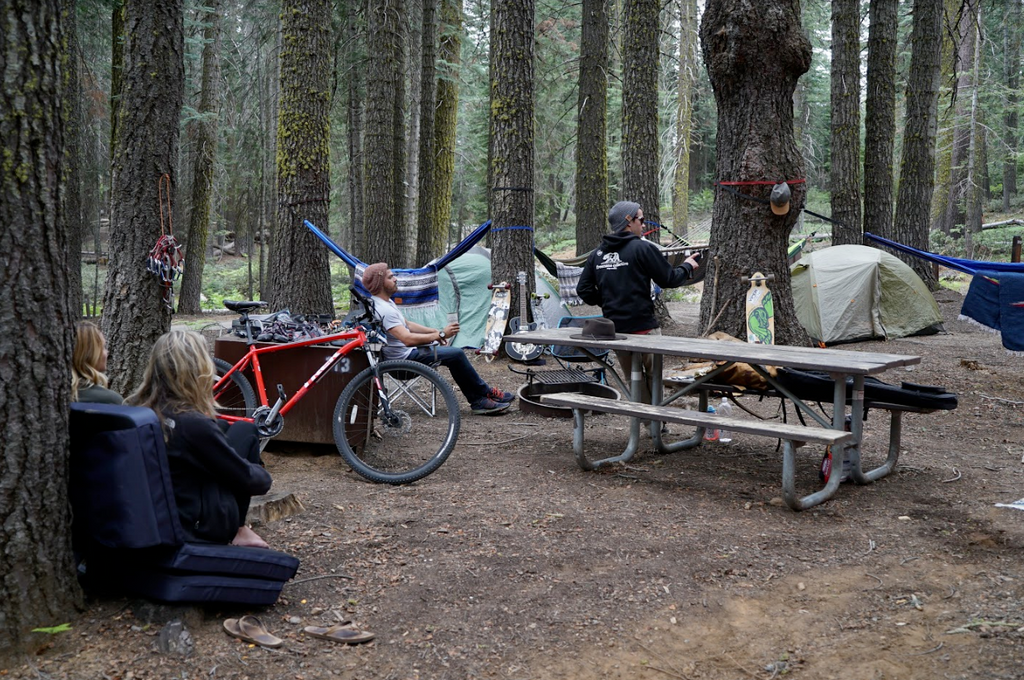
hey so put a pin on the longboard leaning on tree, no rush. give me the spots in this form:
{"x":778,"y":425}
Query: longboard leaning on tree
{"x":497,"y":318}
{"x":760,"y":312}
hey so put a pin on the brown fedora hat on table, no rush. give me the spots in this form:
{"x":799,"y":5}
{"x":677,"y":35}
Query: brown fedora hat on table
{"x":598,"y":329}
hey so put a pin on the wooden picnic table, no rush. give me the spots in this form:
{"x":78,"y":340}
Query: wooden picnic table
{"x":839,"y":364}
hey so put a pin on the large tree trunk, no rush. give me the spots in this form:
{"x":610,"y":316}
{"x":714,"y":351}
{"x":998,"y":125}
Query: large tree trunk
{"x":512,"y":197}
{"x":1011,"y":50}
{"x":844,"y":179}
{"x":684,"y":126}
{"x":383,"y":176}
{"x":73,"y":136}
{"x":203,"y":133}
{"x":416,"y":69}
{"x":913,"y":202}
{"x":955,"y":211}
{"x":754,"y":53}
{"x":946,"y":114}
{"x":432,"y":236}
{"x":354,"y":119}
{"x":298,"y":261}
{"x":975,"y":151}
{"x":880,"y":119}
{"x":640,"y":143}
{"x":446,"y":116}
{"x":135,"y":310}
{"x":37,"y":582}
{"x":592,"y":122}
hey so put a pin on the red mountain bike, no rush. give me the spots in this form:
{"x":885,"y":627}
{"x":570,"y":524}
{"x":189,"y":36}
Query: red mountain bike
{"x":395,"y":422}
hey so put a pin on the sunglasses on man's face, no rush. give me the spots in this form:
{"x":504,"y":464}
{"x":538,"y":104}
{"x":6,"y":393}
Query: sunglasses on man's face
{"x":639,"y":218}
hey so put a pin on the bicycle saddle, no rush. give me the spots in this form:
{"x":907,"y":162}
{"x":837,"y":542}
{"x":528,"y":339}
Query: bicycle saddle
{"x":244,"y":306}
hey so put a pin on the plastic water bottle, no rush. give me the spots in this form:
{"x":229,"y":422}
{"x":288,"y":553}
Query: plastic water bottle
{"x":725,"y":409}
{"x":711,"y":435}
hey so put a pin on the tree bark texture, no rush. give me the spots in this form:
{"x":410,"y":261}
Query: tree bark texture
{"x":976,"y":148}
{"x":512,"y":135}
{"x":844,"y":178}
{"x":755,"y":52}
{"x":37,"y":581}
{"x":1011,"y":51}
{"x":298,"y":260}
{"x":203,"y":133}
{"x":354,"y":119}
{"x":143,"y":181}
{"x":416,"y":70}
{"x":446,"y":116}
{"x":640,"y":146}
{"x":117,"y":18}
{"x":913,"y":201}
{"x":955,"y":211}
{"x":688,"y":65}
{"x":946,"y":112}
{"x":432,"y":237}
{"x":592,"y":129}
{"x":382,"y":176}
{"x":73,"y":151}
{"x":880,"y":117}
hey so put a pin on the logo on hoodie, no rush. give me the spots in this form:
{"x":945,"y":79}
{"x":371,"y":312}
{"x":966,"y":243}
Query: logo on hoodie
{"x":611,"y":261}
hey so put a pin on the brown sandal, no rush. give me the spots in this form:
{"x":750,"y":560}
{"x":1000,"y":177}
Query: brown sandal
{"x":250,"y":629}
{"x":348,"y":636}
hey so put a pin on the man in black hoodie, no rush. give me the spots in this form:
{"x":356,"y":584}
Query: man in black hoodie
{"x":618,"y":274}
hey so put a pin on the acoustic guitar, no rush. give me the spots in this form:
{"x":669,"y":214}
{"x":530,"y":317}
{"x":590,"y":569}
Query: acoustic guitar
{"x":522,"y":351}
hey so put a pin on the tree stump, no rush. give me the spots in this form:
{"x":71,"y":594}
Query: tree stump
{"x":273,"y":506}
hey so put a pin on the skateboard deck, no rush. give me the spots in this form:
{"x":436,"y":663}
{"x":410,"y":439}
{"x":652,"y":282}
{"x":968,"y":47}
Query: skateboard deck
{"x":760,"y":313}
{"x":497,"y":318}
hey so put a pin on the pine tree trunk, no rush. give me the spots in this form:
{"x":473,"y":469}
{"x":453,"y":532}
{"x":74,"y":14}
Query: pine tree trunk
{"x":382,"y":215}
{"x":955,"y":211}
{"x":1011,"y":50}
{"x":844,"y":178}
{"x":754,"y":55}
{"x":913,"y":202}
{"x":37,"y":578}
{"x":144,"y":178}
{"x":415,"y":69}
{"x":398,"y":133}
{"x":512,"y":121}
{"x":446,"y":117}
{"x":432,"y":236}
{"x":880,"y":118}
{"x":946,"y":119}
{"x":975,"y":151}
{"x":688,"y":65}
{"x":203,"y":133}
{"x":354,"y":118}
{"x":639,"y":116}
{"x":298,"y":261}
{"x":592,"y":131}
{"x":73,"y":136}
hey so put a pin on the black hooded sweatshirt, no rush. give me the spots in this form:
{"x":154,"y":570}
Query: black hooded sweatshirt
{"x":618,"y":275}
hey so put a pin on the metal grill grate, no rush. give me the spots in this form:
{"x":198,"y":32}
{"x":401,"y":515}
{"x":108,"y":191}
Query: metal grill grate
{"x":564,"y":376}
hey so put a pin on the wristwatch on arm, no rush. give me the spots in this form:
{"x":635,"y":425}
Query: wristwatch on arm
{"x":441,"y":334}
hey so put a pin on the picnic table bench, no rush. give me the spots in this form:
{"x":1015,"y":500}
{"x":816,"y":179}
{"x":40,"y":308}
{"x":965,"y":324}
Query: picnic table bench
{"x":839,"y":364}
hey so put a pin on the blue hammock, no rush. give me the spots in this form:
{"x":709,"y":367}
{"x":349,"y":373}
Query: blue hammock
{"x":960,"y":264}
{"x":416,"y":287}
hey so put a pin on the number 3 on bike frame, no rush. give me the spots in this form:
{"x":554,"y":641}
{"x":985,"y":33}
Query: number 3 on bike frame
{"x":395,"y":422}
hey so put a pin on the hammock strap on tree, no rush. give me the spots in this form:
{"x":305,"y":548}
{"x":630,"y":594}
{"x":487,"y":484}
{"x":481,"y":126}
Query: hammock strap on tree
{"x":165,"y":260}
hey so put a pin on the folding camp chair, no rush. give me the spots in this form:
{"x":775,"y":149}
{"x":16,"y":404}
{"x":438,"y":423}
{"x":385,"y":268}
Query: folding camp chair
{"x":567,"y":356}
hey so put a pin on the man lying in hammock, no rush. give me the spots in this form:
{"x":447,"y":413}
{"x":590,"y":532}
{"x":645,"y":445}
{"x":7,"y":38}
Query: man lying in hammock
{"x":410,"y":340}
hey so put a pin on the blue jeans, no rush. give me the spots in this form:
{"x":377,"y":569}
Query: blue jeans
{"x":465,"y":376}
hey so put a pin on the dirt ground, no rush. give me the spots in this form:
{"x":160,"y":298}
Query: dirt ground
{"x":511,"y":562}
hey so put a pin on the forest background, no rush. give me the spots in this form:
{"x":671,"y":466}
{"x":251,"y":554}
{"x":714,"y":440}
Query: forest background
{"x":229,"y":122}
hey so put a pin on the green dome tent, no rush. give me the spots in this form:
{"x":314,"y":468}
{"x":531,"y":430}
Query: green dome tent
{"x":848,"y":293}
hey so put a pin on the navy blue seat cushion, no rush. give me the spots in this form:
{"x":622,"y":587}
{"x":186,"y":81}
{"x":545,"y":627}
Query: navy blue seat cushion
{"x":126,"y":526}
{"x":199,"y":558}
{"x":165,"y":587}
{"x":120,"y":484}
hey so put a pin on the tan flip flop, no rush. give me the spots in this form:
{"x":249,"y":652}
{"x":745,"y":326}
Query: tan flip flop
{"x":348,"y":636}
{"x":251,"y":629}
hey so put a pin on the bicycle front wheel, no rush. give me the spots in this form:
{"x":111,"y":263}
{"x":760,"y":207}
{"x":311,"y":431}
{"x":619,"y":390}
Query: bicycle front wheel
{"x":236,"y":397}
{"x":410,"y":438}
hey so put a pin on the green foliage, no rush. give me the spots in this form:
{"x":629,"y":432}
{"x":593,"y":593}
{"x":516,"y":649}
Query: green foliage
{"x":53,"y":630}
{"x":702,"y":202}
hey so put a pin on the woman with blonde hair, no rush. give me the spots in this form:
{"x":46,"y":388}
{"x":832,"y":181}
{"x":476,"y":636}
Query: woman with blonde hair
{"x":215,"y":469}
{"x":88,"y":363}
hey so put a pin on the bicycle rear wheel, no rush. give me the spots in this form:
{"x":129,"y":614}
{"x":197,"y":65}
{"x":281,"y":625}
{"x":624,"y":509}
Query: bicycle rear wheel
{"x":409,"y":443}
{"x":236,"y":398}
